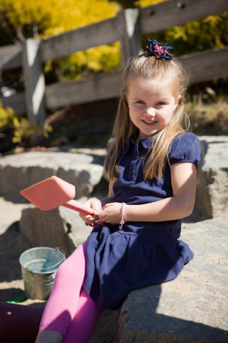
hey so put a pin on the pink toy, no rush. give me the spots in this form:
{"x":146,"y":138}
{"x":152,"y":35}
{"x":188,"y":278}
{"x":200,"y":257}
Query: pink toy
{"x":53,"y":192}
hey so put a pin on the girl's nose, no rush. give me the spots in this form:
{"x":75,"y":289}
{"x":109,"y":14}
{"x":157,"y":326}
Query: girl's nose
{"x":150,"y":111}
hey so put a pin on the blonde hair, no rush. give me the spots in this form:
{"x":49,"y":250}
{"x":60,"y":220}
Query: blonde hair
{"x":159,"y":71}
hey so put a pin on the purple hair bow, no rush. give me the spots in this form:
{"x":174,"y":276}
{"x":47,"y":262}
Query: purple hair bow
{"x":159,"y":51}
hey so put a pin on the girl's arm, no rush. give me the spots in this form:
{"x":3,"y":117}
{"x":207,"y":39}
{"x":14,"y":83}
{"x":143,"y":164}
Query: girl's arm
{"x":180,"y":205}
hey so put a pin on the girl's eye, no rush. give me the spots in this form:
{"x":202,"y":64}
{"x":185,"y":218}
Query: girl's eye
{"x":139,"y":102}
{"x":161,"y":103}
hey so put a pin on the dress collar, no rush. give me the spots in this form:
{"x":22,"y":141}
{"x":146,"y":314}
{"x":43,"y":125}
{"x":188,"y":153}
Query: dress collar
{"x":145,"y":143}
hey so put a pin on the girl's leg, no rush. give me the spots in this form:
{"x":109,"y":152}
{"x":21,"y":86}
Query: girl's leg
{"x":63,"y":301}
{"x":49,"y":337}
{"x":86,"y":316}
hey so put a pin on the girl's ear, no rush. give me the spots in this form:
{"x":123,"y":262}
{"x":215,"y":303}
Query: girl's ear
{"x":177,"y":103}
{"x":178,"y":100}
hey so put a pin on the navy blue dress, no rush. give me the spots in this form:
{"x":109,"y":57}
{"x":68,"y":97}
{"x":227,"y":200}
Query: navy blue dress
{"x":142,"y":253}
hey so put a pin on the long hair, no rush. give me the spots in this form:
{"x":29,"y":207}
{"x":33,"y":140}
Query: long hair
{"x":158,"y":71}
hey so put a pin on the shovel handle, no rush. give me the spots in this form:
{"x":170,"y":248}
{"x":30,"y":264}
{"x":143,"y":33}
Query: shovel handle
{"x":77,"y":206}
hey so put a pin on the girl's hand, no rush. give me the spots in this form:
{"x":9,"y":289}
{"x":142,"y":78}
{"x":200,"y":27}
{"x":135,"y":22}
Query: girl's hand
{"x":111,"y":213}
{"x":95,"y":204}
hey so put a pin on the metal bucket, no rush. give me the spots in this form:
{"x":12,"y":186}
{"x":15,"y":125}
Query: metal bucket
{"x":39,"y":266}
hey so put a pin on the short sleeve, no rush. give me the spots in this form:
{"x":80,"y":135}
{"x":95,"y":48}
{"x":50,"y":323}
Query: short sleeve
{"x":185,"y":147}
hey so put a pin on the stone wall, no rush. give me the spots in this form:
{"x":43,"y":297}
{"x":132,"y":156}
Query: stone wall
{"x":83,"y":170}
{"x":212,"y":189}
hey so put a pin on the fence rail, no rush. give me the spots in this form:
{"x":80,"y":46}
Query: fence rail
{"x":170,"y":13}
{"x":127,"y":27}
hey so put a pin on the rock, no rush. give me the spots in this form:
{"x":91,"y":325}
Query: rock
{"x":60,"y":227}
{"x":10,"y":213}
{"x":20,"y":171}
{"x":106,"y":329}
{"x":212,"y":190}
{"x":191,"y":308}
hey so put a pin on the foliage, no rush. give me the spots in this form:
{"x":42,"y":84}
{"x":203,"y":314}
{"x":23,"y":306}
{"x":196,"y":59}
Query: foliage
{"x":195,"y":36}
{"x":136,"y":3}
{"x":127,"y":3}
{"x":103,"y":59}
{"x":23,"y":19}
{"x":19,"y":127}
{"x":208,"y":33}
{"x":143,"y":3}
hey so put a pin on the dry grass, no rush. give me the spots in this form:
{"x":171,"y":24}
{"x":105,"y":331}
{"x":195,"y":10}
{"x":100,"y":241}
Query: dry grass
{"x":90,"y":125}
{"x":208,"y":119}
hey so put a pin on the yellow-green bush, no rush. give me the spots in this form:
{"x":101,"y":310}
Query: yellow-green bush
{"x":19,"y":127}
{"x":103,"y":59}
{"x":143,"y":3}
{"x":23,"y":19}
{"x":208,"y":33}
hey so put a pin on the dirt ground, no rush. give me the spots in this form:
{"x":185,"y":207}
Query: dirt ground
{"x":12,"y":244}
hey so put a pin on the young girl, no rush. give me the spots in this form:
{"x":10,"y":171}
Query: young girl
{"x":151,"y":168}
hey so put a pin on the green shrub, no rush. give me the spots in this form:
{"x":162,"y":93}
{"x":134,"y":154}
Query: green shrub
{"x":103,"y":59}
{"x":23,"y":19}
{"x":205,"y":34}
{"x":19,"y":127}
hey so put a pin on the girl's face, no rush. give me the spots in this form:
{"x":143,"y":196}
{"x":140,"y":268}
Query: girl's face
{"x":150,"y":107}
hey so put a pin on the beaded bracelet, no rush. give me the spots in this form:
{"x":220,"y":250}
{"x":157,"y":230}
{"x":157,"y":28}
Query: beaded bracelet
{"x":122,"y":222}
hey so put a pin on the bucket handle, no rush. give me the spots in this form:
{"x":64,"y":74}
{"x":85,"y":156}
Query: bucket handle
{"x":56,"y":264}
{"x":60,"y":250}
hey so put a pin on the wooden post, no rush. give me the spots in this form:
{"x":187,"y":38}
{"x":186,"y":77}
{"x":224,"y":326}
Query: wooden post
{"x":34,"y":81}
{"x":130,"y":33}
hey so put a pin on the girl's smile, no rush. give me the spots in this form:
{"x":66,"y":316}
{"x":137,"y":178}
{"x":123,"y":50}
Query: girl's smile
{"x":150,"y":107}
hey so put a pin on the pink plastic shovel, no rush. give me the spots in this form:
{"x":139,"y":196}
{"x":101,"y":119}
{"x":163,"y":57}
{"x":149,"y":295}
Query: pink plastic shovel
{"x":53,"y":192}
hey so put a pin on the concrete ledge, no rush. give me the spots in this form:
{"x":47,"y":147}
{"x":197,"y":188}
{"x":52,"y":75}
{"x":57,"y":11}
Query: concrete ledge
{"x":20,"y":171}
{"x":212,"y":195}
{"x":192,"y":308}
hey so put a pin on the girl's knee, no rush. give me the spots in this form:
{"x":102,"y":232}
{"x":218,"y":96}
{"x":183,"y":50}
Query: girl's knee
{"x":74,"y":265}
{"x":67,"y":271}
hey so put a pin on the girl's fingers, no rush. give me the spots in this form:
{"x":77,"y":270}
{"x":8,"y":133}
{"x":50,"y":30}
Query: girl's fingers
{"x":96,"y":205}
{"x":89,"y":218}
{"x":102,"y":215}
{"x":85,"y":217}
{"x":111,"y":213}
